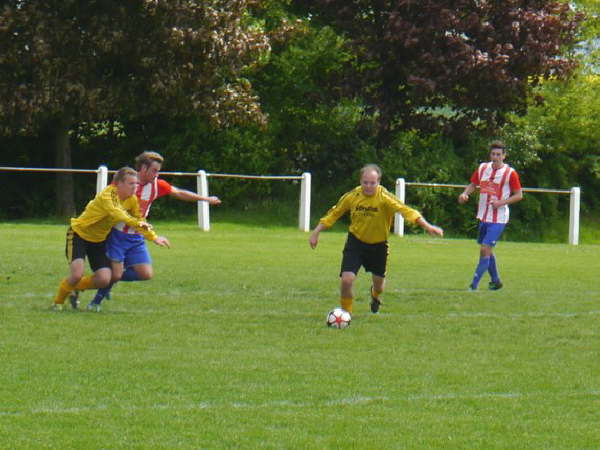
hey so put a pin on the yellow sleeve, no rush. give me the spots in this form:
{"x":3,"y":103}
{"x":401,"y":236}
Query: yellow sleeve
{"x":109,"y":201}
{"x":149,"y":235}
{"x":409,"y":214}
{"x":338,"y":210}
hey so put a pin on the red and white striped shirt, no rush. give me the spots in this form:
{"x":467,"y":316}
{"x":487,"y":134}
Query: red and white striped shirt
{"x":146,"y":194}
{"x":494,"y":184}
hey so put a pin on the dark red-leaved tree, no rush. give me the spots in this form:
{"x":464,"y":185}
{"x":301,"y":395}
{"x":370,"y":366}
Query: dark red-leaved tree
{"x":65,"y":61}
{"x":430,"y":63}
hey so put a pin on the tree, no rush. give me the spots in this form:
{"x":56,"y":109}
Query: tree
{"x":589,"y":46}
{"x":67,"y":61}
{"x":557,"y":140}
{"x":430,"y":63}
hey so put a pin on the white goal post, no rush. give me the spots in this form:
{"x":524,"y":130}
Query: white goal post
{"x":574,"y":196}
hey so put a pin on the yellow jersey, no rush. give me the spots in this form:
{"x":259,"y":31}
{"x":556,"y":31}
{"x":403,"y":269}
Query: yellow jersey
{"x":104,"y":211}
{"x":370,"y":216}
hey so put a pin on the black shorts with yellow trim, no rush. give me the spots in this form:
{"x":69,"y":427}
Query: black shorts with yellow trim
{"x":373,"y":257}
{"x":76,"y":247}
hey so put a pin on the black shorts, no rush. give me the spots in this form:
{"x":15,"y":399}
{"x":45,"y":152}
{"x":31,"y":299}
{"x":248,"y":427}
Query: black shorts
{"x":373,"y":257}
{"x":77,"y":247}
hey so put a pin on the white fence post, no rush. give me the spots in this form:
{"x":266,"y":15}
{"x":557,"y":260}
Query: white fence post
{"x":574,"y":199}
{"x":101,"y":178}
{"x":203,"y":211}
{"x":398,"y":219}
{"x":304,"y":212}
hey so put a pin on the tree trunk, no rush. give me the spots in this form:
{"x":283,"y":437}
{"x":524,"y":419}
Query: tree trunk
{"x":65,"y":193}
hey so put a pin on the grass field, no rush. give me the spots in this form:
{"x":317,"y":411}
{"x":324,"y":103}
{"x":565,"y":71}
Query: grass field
{"x":227,"y":348}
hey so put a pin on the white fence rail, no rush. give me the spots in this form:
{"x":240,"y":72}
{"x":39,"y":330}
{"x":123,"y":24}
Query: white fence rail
{"x":574,"y":194}
{"x":305,"y":193}
{"x":202,"y":187}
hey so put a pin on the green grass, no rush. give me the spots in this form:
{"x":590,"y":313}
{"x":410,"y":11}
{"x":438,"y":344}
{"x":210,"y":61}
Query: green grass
{"x":227,"y":348}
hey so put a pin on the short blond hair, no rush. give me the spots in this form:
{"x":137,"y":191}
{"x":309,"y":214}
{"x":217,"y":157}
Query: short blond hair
{"x":123,"y":173}
{"x":147,"y":158}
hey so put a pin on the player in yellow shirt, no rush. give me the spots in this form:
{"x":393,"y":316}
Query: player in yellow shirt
{"x":372,"y":209}
{"x":87,"y":233}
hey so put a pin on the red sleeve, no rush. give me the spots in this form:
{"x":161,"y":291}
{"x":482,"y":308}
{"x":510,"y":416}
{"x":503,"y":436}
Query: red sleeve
{"x":164,"y":188}
{"x":475,"y":177}
{"x":515,"y":182}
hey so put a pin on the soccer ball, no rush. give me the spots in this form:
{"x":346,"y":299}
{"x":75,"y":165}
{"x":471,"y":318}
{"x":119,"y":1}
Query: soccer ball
{"x":338,"y":318}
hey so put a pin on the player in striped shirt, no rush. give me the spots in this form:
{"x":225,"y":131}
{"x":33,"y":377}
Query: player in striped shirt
{"x":499,"y":186}
{"x":125,"y":246}
{"x":371,"y":208}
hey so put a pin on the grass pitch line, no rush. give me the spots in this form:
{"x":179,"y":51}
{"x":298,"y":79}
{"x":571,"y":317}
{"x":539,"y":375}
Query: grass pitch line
{"x":350,"y":401}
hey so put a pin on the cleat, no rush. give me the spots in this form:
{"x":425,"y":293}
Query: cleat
{"x":74,"y":299}
{"x":495,"y":285}
{"x":57,"y":307}
{"x":95,"y":307}
{"x":375,"y":303}
{"x":472,"y":289}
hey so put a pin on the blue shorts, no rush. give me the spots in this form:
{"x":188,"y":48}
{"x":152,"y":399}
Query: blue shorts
{"x":489,"y":233}
{"x":129,"y":249}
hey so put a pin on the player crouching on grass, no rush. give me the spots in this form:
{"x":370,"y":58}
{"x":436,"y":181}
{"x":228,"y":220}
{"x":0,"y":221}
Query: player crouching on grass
{"x":87,"y":234}
{"x":372,"y":209}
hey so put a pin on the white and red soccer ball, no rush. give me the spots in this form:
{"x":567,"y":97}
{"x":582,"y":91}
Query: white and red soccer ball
{"x":338,"y":318}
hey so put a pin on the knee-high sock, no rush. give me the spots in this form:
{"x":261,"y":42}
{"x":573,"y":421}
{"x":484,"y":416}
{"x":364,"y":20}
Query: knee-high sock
{"x":130,"y":275}
{"x":347,"y":304}
{"x":86,"y":282}
{"x":375,"y":293}
{"x":482,"y":267}
{"x":102,"y":293}
{"x":65,"y":288}
{"x":493,"y":269}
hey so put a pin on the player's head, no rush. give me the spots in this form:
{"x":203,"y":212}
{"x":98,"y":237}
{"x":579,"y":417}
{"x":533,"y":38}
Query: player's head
{"x":497,"y":151}
{"x":148,"y":165}
{"x":370,"y":176}
{"x":126,"y":180}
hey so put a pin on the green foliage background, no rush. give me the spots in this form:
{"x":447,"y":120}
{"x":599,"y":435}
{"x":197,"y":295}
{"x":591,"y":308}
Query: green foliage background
{"x":316,"y":127}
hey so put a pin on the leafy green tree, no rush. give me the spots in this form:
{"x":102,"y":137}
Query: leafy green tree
{"x":589,"y":44}
{"x":427,"y":64}
{"x":68,"y":61}
{"x":557,"y":141}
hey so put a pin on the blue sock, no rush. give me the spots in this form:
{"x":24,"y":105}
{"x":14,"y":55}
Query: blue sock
{"x":101,"y":293}
{"x":482,"y":267}
{"x":130,"y":275}
{"x":493,"y":269}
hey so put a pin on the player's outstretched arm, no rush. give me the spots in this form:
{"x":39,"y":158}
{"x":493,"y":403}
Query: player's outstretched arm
{"x":189,"y":196}
{"x":162,"y":242}
{"x":431,"y":229}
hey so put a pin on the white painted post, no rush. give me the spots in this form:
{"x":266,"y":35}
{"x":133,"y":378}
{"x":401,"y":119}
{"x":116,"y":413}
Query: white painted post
{"x":101,"y":178}
{"x":575,"y":197}
{"x":203,"y":211}
{"x":304,"y":212}
{"x":398,"y":219}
